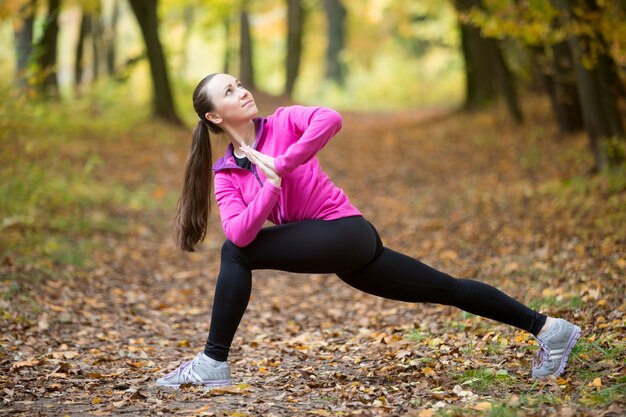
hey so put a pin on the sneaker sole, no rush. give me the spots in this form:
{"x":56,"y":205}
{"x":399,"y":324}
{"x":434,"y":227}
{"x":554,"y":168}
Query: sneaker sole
{"x":570,"y":345}
{"x":212,"y":384}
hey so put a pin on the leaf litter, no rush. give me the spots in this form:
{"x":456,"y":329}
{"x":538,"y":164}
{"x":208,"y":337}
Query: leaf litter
{"x":441,"y":188}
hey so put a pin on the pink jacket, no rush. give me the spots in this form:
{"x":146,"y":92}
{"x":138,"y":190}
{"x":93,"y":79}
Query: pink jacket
{"x":293,"y":136}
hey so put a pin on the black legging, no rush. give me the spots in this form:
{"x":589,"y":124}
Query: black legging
{"x":352,"y":249}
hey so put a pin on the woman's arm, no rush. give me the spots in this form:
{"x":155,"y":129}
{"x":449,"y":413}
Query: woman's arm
{"x":242,"y":223}
{"x":316,"y":125}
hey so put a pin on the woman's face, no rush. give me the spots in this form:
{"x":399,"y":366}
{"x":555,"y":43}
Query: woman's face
{"x":232,"y":103}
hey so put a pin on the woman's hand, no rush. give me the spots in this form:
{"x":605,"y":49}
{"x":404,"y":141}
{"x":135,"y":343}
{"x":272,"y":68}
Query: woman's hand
{"x":264,"y":162}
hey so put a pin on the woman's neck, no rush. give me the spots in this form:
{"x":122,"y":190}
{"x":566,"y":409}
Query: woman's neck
{"x":245,"y":133}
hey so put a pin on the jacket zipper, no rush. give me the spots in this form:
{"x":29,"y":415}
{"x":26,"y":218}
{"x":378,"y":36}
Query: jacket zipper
{"x":256,"y":175}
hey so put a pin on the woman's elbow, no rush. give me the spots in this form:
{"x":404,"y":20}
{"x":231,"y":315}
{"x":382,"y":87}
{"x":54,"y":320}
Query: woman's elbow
{"x":241,"y":240}
{"x":333,"y":118}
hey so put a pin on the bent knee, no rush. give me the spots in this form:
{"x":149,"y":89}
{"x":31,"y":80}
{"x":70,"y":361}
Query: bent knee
{"x":231,"y":251}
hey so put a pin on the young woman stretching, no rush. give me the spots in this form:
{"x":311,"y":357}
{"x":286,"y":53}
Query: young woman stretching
{"x":270,"y":172}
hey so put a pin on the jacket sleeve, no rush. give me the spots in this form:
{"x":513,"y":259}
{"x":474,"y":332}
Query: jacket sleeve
{"x":314,"y":126}
{"x":242,"y":223}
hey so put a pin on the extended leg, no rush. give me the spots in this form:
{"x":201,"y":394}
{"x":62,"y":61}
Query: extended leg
{"x":400,"y":277}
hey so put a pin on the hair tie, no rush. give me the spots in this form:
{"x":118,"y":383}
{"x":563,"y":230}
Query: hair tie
{"x":200,"y":119}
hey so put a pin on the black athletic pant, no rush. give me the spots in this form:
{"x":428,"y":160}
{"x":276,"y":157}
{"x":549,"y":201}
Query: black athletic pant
{"x":352,"y":249}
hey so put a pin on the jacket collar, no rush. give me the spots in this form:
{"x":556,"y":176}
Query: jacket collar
{"x":227,"y":161}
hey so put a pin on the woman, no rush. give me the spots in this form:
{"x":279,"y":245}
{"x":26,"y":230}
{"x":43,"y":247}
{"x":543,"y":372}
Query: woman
{"x":270,"y":172}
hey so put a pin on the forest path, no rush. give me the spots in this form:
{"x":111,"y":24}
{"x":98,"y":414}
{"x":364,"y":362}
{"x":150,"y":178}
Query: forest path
{"x":470,"y":195}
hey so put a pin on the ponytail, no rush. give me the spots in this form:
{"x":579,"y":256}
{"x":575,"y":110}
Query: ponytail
{"x":192,"y":210}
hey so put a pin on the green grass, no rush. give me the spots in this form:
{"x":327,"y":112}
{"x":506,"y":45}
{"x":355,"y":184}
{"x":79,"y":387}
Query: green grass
{"x":483,"y":379}
{"x":416,"y":335}
{"x":537,"y":399}
{"x":498,"y":410}
{"x":501,"y":410}
{"x":595,"y":202}
{"x":328,"y":398}
{"x":58,"y":196}
{"x":611,"y":349}
{"x":557,"y":303}
{"x":614,"y":393}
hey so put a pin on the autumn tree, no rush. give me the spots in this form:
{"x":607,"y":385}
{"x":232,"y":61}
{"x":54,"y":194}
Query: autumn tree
{"x":336,"y":18}
{"x":109,"y":38}
{"x":246,"y":65}
{"x":580,"y":39}
{"x":486,"y":72}
{"x":23,"y":31}
{"x":45,"y":53}
{"x":559,"y":76}
{"x":295,"y":23}
{"x":146,"y":14}
{"x":227,"y":44}
{"x":83,"y":33}
{"x":598,"y":87}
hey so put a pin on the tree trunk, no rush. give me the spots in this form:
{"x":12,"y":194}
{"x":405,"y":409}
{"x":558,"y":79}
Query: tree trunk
{"x":480,"y":79}
{"x":487,"y":75}
{"x":47,"y":53}
{"x":110,"y":41}
{"x":188,"y":16}
{"x":336,"y":17}
{"x":85,"y":30}
{"x":97,"y":38}
{"x":23,"y":32}
{"x":146,"y":13}
{"x":295,"y":22}
{"x":562,"y":89}
{"x":246,"y":67}
{"x":506,"y":80}
{"x":597,"y":93}
{"x":227,"y":46}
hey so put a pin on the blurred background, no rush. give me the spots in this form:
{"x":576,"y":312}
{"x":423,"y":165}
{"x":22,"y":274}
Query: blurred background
{"x":485,"y":137}
{"x":349,"y":54}
{"x":367,"y":54}
{"x":98,"y":69}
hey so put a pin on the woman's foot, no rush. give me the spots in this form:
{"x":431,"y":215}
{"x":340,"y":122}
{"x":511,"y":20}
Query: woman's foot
{"x":555,"y":344}
{"x":202,"y":370}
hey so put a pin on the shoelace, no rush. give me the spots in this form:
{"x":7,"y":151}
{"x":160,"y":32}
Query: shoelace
{"x":543,"y":355}
{"x":184,"y":371}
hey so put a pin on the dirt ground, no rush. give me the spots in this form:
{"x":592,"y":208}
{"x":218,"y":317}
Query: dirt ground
{"x":470,"y":195}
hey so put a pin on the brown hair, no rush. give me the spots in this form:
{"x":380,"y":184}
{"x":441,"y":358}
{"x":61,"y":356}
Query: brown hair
{"x":192,"y":210}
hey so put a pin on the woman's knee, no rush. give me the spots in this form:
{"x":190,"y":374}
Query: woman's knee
{"x":232,"y":252}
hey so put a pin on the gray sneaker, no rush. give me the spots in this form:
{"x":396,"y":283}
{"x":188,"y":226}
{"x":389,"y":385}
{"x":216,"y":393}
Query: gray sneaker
{"x":202,"y":370}
{"x":555,"y":346}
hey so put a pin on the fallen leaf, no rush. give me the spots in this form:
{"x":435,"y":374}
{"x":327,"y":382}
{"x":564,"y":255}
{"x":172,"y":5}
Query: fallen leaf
{"x":70,"y":354}
{"x":597,"y":382}
{"x":319,"y":412}
{"x":138,"y":395}
{"x":482,"y":406}
{"x":26,"y":364}
{"x":228,"y":390}
{"x":42,"y":323}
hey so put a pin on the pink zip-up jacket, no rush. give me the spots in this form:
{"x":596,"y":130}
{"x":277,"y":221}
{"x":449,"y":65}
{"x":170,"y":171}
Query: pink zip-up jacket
{"x":293,"y":136}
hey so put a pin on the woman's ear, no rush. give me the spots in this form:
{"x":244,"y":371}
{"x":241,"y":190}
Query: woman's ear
{"x":213,"y":117}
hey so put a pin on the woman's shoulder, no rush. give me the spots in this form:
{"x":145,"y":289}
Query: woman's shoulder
{"x":286,"y":112}
{"x":297,"y":113}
